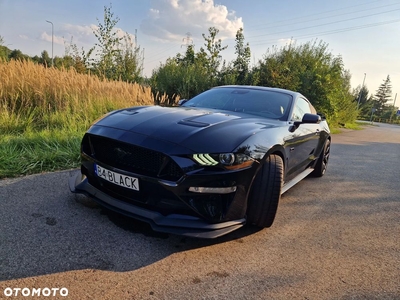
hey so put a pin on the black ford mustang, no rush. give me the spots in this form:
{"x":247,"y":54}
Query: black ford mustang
{"x":218,"y":161}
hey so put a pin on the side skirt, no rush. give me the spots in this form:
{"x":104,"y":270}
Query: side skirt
{"x":295,"y":180}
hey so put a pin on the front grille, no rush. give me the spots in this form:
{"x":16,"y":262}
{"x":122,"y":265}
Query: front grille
{"x":151,"y":196}
{"x":131,"y":158}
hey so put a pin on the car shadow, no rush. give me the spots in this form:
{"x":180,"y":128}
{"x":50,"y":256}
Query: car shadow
{"x":45,"y":229}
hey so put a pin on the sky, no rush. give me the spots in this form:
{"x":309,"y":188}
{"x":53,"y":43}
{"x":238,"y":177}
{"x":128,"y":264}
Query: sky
{"x":366,"y":34}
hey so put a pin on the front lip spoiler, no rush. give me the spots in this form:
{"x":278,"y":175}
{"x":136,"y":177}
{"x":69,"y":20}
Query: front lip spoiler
{"x":174,"y":224}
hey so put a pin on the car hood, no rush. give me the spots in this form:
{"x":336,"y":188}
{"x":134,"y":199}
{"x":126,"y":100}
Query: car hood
{"x":200,"y":130}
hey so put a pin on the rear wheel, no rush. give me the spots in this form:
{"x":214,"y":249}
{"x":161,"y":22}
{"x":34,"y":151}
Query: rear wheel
{"x":322,"y":163}
{"x":265,"y":193}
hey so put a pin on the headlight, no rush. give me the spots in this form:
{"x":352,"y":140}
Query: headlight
{"x":230,"y":161}
{"x":227,"y":159}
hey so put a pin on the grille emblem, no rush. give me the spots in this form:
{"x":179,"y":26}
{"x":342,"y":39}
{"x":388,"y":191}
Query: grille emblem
{"x":120,"y":153}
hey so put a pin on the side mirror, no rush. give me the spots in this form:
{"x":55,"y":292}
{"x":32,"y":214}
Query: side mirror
{"x":307,"y":119}
{"x":182,"y":101}
{"x":311,"y":119}
{"x":323,"y":118}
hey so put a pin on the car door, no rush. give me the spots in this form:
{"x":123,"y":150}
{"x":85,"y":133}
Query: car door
{"x":301,"y":144}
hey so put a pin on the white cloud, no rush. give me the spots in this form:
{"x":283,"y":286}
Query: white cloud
{"x":170,"y":20}
{"x":85,"y":34}
{"x":78,"y":34}
{"x":48,"y":38}
{"x":122,"y":34}
{"x":79,"y":29}
{"x":67,"y":33}
{"x":286,"y":42}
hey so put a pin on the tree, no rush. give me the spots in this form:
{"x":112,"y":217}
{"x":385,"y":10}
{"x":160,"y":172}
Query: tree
{"x":243,"y":55}
{"x":80,"y":61}
{"x":189,"y":57}
{"x":382,"y":96}
{"x":189,"y":67}
{"x":18,"y":55}
{"x":361,"y":96}
{"x":280,"y":68}
{"x":4,"y":51}
{"x":117,"y":57}
{"x":45,"y":59}
{"x":314,"y":72}
{"x":128,"y":61}
{"x":237,"y":71}
{"x":363,"y":100}
{"x":214,"y":48}
{"x":179,"y":78}
{"x":108,"y":43}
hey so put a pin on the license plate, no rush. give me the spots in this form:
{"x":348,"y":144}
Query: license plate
{"x":117,"y":178}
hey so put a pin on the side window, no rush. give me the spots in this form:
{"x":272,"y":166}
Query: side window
{"x":302,"y":106}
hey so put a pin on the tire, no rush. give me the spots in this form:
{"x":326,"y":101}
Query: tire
{"x":323,"y":159}
{"x":265,"y":193}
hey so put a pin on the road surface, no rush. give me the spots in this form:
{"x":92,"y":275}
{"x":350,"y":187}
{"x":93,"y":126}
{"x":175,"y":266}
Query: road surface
{"x":335,"y":237}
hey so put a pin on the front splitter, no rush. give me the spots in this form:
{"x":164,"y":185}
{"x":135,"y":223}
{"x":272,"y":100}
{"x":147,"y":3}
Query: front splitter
{"x":175,"y":223}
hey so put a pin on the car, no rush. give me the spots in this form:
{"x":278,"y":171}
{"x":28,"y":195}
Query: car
{"x":207,"y":167}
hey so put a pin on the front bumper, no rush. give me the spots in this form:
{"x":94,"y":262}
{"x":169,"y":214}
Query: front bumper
{"x":181,"y":224}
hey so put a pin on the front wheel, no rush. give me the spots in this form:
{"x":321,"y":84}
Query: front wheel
{"x":266,"y":192}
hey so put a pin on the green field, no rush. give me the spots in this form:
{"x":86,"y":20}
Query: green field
{"x":44,"y":113}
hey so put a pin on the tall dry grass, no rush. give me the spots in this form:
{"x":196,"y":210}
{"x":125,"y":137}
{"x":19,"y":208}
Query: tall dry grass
{"x":35,"y":97}
{"x":44,"y":113}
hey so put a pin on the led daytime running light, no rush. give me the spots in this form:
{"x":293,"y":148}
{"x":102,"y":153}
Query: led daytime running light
{"x":205,"y":159}
{"x":229,"y":161}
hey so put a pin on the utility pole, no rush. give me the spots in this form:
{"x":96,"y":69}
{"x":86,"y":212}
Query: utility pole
{"x":139,"y":55}
{"x":394,"y":103}
{"x":359,"y":96}
{"x":135,"y":38}
{"x":188,"y":40}
{"x":142,"y":67}
{"x":52,"y":42}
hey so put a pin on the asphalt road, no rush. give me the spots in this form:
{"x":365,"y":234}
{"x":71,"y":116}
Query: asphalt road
{"x":335,"y":237}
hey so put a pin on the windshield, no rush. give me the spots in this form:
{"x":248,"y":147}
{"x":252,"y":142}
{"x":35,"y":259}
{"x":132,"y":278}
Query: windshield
{"x":264,"y":103}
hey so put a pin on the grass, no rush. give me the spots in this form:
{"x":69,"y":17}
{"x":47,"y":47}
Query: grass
{"x":36,"y":152}
{"x":34,"y":97}
{"x":356,"y":126}
{"x":335,"y":130}
{"x":44,"y":113}
{"x":353,"y":126}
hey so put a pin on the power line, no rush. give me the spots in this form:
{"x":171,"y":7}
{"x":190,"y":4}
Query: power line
{"x":159,"y":57}
{"x":324,"y":24}
{"x":307,"y":17}
{"x":332,"y":31}
{"x":156,"y":52}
